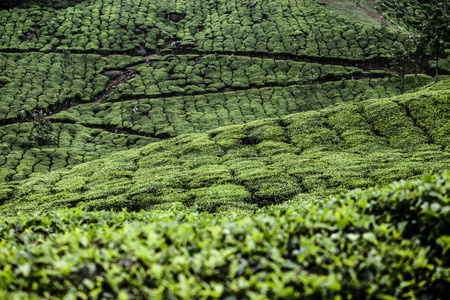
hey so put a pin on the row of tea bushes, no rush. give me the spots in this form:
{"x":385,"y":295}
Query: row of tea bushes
{"x":194,"y":74}
{"x":272,"y":26}
{"x":69,"y":145}
{"x":282,"y":27}
{"x":168,"y":117}
{"x":37,"y":81}
{"x":386,"y":243}
{"x":264,"y":162}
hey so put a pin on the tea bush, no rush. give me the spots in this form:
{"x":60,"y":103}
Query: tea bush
{"x":21,"y":155}
{"x":106,"y":26}
{"x":193,"y":74}
{"x":205,"y":149}
{"x":345,"y":248}
{"x":299,"y":27}
{"x":52,"y":63}
{"x":408,"y":14}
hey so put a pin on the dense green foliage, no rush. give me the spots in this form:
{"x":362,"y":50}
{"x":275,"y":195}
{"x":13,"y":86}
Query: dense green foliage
{"x":54,"y":3}
{"x":284,"y":27}
{"x":165,"y":96}
{"x":71,"y":144}
{"x":168,"y":117}
{"x":436,"y":35}
{"x":387,"y":243}
{"x":212,"y":92}
{"x":194,"y":74}
{"x":231,"y":133}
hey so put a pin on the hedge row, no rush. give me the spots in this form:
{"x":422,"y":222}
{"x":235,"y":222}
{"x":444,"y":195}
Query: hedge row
{"x":265,"y":162}
{"x":163,"y":118}
{"x":387,"y":243}
{"x":109,"y":25}
{"x":59,"y":80}
{"x":282,"y":27}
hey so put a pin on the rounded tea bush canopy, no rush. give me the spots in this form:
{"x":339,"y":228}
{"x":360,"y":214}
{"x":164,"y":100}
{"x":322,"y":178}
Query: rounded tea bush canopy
{"x":383,"y":242}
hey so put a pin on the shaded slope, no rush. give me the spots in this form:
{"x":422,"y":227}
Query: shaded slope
{"x":265,"y":162}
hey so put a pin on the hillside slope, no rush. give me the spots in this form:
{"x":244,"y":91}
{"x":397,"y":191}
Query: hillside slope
{"x":264,"y":162}
{"x":113,"y":75}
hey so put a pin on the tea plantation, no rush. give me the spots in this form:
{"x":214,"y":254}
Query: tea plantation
{"x":221,"y":149}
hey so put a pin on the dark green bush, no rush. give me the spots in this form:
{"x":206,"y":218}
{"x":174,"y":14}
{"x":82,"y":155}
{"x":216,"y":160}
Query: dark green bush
{"x":43,"y":131}
{"x":408,"y":13}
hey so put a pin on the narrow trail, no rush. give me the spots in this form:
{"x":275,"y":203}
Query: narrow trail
{"x":376,"y":63}
{"x":373,"y":63}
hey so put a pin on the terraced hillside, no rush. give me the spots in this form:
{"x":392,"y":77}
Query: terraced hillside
{"x":114,"y":75}
{"x":315,"y":153}
{"x":229,"y":132}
